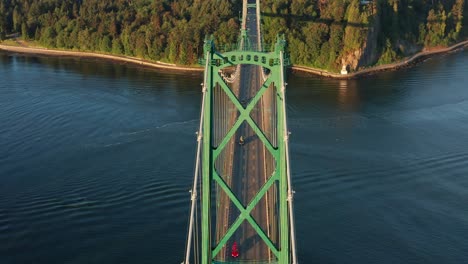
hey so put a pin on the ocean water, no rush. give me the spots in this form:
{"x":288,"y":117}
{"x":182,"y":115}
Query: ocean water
{"x":96,"y":160}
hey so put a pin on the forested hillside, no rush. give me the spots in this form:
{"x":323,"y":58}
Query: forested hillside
{"x":163,"y":30}
{"x":330,"y":33}
{"x":321,"y":33}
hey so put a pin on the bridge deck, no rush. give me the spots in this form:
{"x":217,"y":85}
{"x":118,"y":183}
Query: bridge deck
{"x":247,"y":167}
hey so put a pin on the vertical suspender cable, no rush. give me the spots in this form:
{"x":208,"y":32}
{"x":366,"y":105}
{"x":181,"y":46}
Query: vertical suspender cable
{"x":196,"y":253}
{"x":197,"y":165}
{"x":288,"y":172}
{"x":259,"y":43}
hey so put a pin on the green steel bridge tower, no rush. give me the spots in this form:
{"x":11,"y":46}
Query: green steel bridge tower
{"x":242,"y":170}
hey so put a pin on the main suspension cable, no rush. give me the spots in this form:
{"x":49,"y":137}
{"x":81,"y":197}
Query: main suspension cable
{"x":197,"y":164}
{"x":288,"y":171}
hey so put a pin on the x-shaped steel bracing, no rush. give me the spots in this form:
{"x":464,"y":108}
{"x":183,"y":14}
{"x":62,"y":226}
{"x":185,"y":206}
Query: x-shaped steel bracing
{"x":245,"y":212}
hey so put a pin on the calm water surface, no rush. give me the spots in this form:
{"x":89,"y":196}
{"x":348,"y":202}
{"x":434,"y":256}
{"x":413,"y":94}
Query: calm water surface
{"x":96,"y":160}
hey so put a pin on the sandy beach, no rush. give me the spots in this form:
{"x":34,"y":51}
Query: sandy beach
{"x":133,"y":60}
{"x":161,"y":65}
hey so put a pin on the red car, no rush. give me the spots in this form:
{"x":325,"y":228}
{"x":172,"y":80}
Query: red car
{"x":234,"y":250}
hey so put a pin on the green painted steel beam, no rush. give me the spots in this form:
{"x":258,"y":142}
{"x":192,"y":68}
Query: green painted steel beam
{"x":245,"y":213}
{"x":283,"y":213}
{"x":244,"y":115}
{"x":265,"y":59}
{"x":206,"y":172}
{"x":217,"y":62}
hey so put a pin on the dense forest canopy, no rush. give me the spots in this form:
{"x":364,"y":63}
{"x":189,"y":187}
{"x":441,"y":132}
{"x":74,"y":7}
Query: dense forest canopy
{"x":329,"y":33}
{"x":152,"y":29}
{"x":321,"y":33}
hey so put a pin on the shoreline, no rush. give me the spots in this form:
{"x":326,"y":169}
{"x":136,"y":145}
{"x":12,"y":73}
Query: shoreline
{"x":84,"y":54}
{"x":381,"y":68}
{"x":295,"y":68}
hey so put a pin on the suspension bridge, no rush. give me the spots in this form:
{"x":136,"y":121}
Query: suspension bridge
{"x":242,"y":199}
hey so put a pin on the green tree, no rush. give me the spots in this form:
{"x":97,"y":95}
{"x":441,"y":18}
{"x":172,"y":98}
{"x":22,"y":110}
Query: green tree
{"x":389,"y":55}
{"x":140,"y":45}
{"x":17,"y":19}
{"x":2,"y":22}
{"x":61,"y":40}
{"x":172,"y":52}
{"x":24,"y":31}
{"x":182,"y":55}
{"x":436,"y":27}
{"x":315,"y":35}
{"x":106,"y":44}
{"x":117,"y":47}
{"x":48,"y":37}
{"x":355,"y":31}
{"x":457,"y":19}
{"x":422,"y":34}
{"x":84,"y":40}
{"x":336,"y":46}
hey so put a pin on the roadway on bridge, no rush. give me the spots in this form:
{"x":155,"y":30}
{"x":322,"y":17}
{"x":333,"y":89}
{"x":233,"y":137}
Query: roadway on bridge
{"x":249,"y":165}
